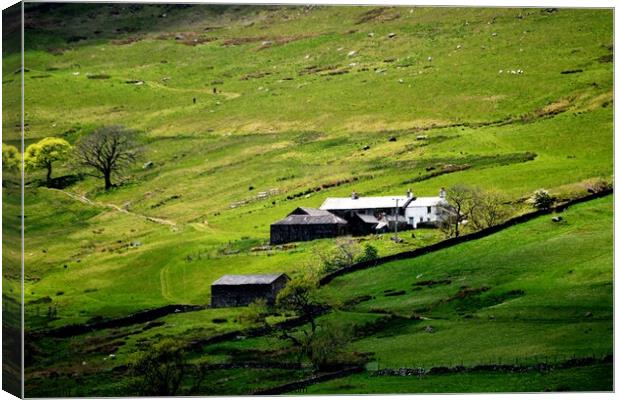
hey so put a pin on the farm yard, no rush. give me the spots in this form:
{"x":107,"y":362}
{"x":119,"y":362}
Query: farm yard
{"x":243,"y":114}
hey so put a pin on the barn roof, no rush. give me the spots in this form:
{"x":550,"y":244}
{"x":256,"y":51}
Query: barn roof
{"x":262,"y":279}
{"x":310,"y":211}
{"x":323,"y":219}
{"x":362,"y":203}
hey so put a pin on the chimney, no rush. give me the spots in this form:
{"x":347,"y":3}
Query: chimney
{"x":354,"y":195}
{"x":442,"y":193}
{"x":409,"y":193}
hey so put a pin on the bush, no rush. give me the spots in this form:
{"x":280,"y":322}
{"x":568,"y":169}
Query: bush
{"x":542,"y":199}
{"x":255,"y":312}
{"x":370,"y":253}
{"x":343,"y":254}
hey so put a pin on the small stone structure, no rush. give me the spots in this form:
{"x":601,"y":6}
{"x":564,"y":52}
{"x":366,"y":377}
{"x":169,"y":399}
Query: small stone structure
{"x":241,"y":290}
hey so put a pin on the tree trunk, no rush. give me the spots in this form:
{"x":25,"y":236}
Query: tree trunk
{"x":108,"y":182}
{"x":49,"y":175}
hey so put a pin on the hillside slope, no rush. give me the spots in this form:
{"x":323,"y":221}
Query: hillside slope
{"x":245,"y":113}
{"x":292,"y":113}
{"x":512,"y":299}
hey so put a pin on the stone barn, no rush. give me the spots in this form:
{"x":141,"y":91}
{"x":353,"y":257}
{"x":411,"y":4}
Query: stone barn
{"x":241,"y":290}
{"x":307,"y":224}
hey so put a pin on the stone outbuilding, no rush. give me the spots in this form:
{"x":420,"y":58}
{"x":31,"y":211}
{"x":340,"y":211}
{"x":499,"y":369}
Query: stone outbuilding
{"x":307,"y":224}
{"x":241,"y":290}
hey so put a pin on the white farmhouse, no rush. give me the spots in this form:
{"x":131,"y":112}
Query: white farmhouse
{"x":412,"y":211}
{"x":426,"y":211}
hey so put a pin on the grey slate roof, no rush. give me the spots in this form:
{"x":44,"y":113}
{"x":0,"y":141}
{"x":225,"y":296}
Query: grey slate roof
{"x":323,"y":219}
{"x":262,"y":279}
{"x":312,"y":211}
{"x":369,"y":219}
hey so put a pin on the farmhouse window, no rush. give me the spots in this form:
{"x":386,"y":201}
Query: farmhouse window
{"x":428,"y":210}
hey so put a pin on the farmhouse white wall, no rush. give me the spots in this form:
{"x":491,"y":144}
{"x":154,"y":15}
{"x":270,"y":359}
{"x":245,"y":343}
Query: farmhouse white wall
{"x":425,"y":210}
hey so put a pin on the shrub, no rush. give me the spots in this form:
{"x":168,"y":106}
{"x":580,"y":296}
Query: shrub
{"x":370,"y":253}
{"x":343,"y":254}
{"x":542,"y":199}
{"x":255,"y":312}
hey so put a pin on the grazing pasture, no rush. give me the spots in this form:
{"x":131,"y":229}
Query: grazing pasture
{"x":244,"y":113}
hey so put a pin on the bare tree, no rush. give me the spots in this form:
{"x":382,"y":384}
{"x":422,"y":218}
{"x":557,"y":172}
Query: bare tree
{"x":489,"y":209}
{"x":460,"y":205}
{"x":108,"y":150}
{"x":482,"y":209}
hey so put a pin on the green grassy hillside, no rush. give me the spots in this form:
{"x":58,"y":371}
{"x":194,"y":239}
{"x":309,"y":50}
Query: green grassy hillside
{"x":485,"y":298}
{"x":513,"y":298}
{"x":508,"y":99}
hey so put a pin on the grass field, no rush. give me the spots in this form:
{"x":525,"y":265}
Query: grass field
{"x":588,"y":379}
{"x":537,"y":308}
{"x":300,"y":92}
{"x":502,"y":289}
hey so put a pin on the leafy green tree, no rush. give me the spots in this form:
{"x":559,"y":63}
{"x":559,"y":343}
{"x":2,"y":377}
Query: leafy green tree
{"x":327,"y":347}
{"x":299,"y":295}
{"x":11,"y":159}
{"x":45,"y":153}
{"x":162,"y":371}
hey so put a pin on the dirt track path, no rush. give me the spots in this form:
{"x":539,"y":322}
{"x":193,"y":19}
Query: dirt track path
{"x":85,"y":200}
